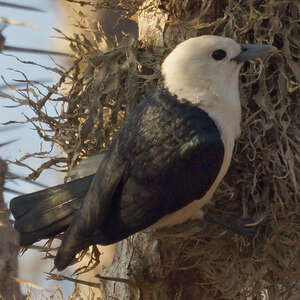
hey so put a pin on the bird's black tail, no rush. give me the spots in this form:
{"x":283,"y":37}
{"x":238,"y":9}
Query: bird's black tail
{"x":48,"y":212}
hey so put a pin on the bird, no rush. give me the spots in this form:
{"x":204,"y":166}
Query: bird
{"x":163,"y":165}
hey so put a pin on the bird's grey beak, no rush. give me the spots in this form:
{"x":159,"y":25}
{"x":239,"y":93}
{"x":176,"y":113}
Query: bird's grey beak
{"x":251,"y":51}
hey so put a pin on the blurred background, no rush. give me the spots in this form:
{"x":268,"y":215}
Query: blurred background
{"x":36,"y":31}
{"x":41,"y":36}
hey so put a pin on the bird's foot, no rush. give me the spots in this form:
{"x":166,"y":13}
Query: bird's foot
{"x":243,"y":226}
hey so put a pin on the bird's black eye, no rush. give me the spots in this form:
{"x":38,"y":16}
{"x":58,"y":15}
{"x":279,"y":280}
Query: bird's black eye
{"x":219,"y":54}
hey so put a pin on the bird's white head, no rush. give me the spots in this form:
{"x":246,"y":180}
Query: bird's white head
{"x":202,"y":67}
{"x":205,"y":71}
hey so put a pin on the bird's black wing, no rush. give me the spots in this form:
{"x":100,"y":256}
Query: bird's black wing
{"x":166,"y":155}
{"x":175,"y":152}
{"x":95,"y":207}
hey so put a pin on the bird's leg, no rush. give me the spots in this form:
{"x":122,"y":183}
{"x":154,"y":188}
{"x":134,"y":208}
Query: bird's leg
{"x":243,"y":226}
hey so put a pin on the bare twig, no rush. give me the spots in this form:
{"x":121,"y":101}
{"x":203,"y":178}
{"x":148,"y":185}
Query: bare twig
{"x":18,"y":6}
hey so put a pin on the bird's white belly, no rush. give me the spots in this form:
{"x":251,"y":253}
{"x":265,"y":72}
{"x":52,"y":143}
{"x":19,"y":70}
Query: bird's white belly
{"x":191,"y":211}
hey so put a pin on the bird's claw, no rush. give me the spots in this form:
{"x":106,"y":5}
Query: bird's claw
{"x":243,"y":226}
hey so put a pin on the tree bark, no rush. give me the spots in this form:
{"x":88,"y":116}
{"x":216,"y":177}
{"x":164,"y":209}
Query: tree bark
{"x":9,"y":288}
{"x":143,"y":264}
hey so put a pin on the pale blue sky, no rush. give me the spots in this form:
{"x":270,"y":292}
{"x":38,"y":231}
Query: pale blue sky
{"x":28,"y":141}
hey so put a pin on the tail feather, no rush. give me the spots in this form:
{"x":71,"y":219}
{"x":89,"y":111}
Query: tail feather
{"x":48,"y":212}
{"x":29,"y":238}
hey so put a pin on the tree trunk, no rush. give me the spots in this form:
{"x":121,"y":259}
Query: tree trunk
{"x":9,"y":288}
{"x":143,"y":264}
{"x":218,"y":265}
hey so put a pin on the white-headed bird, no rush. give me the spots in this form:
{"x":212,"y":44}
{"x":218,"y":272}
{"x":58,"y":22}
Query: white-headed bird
{"x":163,"y":165}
